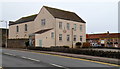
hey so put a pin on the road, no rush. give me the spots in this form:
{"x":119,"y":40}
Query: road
{"x":24,"y":59}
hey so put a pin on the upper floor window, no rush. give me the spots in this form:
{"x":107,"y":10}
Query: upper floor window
{"x":60,"y":25}
{"x":74,"y":37}
{"x":52,"y":34}
{"x":75,"y":26}
{"x":68,"y":37}
{"x":81,"y":27}
{"x":25,"y":27}
{"x":68,"y":26}
{"x":17,"y":28}
{"x":81,"y":38}
{"x":60,"y":36}
{"x":43,"y":22}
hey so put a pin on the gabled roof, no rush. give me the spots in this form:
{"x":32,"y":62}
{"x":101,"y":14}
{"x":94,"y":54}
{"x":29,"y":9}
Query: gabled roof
{"x":24,"y":19}
{"x":62,"y":14}
{"x":42,"y":31}
{"x":56,"y":13}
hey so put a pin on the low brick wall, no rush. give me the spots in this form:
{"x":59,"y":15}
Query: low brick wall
{"x":16,"y":43}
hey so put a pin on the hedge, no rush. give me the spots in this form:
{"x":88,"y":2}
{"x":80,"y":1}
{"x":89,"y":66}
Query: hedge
{"x":99,"y":53}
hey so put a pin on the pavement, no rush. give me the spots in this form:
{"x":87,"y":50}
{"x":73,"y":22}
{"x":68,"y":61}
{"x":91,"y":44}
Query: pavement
{"x":29,"y":58}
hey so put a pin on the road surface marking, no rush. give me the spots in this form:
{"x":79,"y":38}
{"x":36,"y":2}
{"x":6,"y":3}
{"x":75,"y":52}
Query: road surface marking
{"x":23,"y":57}
{"x":57,"y":65}
{"x":9,"y":54}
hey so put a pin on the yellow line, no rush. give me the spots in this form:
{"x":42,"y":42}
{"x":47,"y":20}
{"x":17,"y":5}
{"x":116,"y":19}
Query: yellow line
{"x":78,"y":59}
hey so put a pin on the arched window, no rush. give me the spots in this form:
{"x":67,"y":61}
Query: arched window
{"x":25,"y":27}
{"x":17,"y":29}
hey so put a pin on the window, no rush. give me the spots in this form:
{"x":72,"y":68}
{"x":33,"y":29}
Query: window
{"x":43,"y":22}
{"x":74,"y":37}
{"x":68,"y":26}
{"x":80,"y":38}
{"x":17,"y":29}
{"x":25,"y":27}
{"x":52,"y":35}
{"x":75,"y":27}
{"x":60,"y":36}
{"x":80,"y":27}
{"x":60,"y":25}
{"x":68,"y":37}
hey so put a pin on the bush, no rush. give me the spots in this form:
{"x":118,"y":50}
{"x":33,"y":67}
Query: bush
{"x":86,"y":45}
{"x":99,"y":53}
{"x":78,"y":44}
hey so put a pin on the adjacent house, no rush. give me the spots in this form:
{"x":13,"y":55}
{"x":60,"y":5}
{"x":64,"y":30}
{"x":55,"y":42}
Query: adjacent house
{"x":104,"y":39}
{"x":50,"y":27}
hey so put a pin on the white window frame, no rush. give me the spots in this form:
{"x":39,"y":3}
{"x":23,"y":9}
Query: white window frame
{"x":60,"y":37}
{"x":68,"y":26}
{"x":75,"y":37}
{"x":43,"y":22}
{"x":81,"y":27}
{"x":81,"y":38}
{"x":60,"y":25}
{"x":75,"y":27}
{"x":52,"y":34}
{"x":68,"y":37}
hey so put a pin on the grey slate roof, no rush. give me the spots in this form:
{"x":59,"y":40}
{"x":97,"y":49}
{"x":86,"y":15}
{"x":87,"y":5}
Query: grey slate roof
{"x":56,"y":13}
{"x":24,"y":19}
{"x":62,"y":14}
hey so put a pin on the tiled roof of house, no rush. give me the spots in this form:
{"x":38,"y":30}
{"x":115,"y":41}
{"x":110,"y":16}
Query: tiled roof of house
{"x":24,"y":19}
{"x":42,"y":31}
{"x":103,"y":35}
{"x":62,"y":14}
{"x":57,"y":13}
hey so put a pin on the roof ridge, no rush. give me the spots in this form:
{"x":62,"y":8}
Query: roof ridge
{"x":29,"y":16}
{"x":60,"y":9}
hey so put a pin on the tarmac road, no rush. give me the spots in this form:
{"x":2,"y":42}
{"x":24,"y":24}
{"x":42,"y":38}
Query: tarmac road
{"x":16,"y":58}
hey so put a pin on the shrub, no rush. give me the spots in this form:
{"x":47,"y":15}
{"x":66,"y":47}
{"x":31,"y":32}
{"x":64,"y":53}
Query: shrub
{"x":86,"y":45}
{"x":78,"y":44}
{"x":99,"y":53}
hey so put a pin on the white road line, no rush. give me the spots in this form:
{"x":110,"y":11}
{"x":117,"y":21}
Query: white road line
{"x":57,"y":65}
{"x":9,"y":54}
{"x":30,"y":59}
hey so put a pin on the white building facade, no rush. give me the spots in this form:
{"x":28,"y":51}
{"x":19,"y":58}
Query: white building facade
{"x":50,"y":27}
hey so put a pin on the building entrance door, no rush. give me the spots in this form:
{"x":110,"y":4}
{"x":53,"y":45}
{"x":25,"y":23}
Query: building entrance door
{"x":40,"y":43}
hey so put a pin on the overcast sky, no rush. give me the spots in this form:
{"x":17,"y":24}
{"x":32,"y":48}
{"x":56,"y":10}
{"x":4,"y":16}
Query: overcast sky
{"x":100,"y":15}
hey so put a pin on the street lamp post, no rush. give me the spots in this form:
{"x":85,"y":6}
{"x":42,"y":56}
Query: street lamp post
{"x":72,"y":37}
{"x":6,"y":31}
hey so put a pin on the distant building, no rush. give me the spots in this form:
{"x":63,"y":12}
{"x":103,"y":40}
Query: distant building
{"x":50,"y":27}
{"x":3,"y":37}
{"x":104,"y":39}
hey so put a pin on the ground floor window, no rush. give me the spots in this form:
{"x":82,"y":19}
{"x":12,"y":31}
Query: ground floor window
{"x":52,"y":34}
{"x":81,"y":38}
{"x":68,"y":37}
{"x":74,"y":37}
{"x":60,"y":37}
